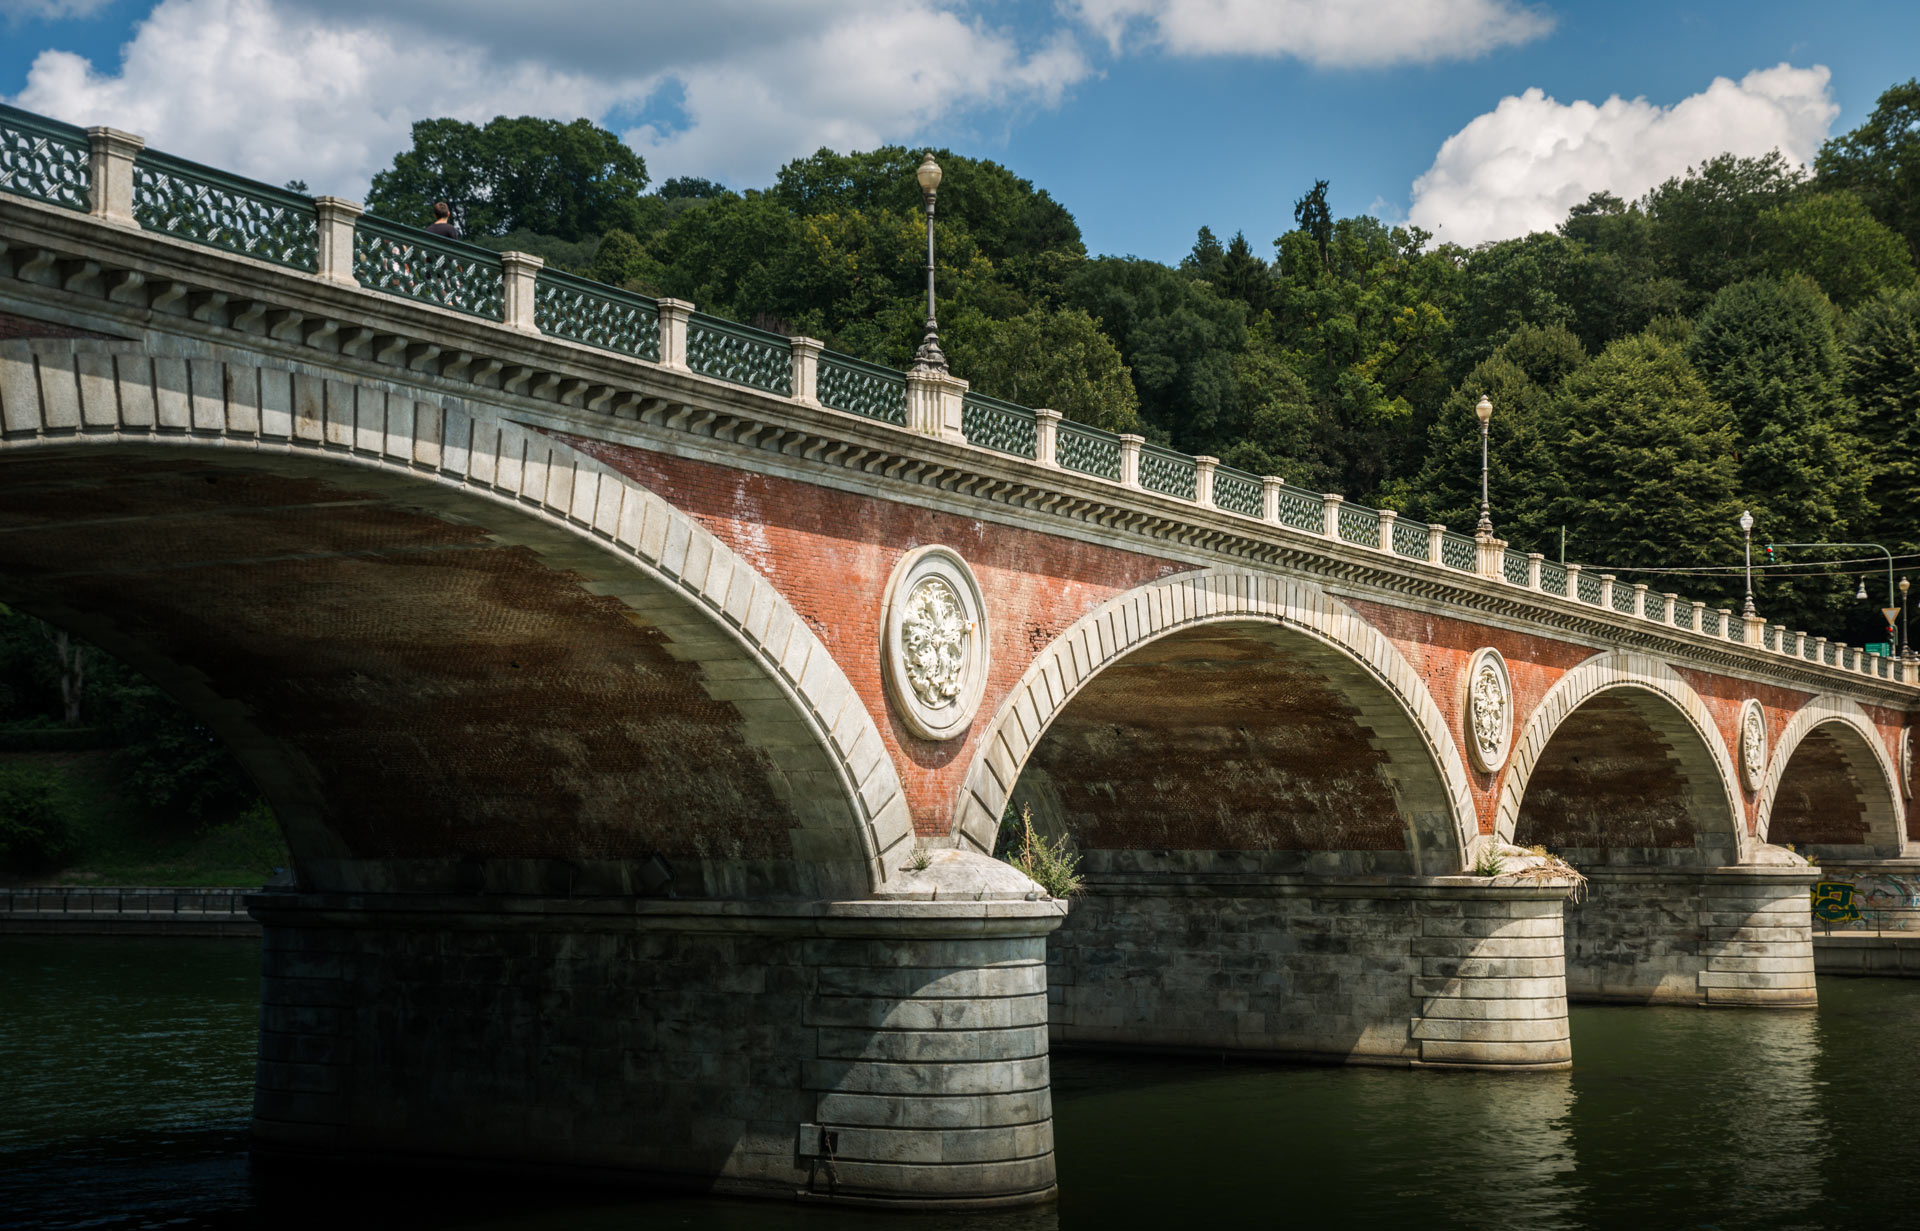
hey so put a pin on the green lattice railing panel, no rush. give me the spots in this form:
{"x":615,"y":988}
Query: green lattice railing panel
{"x":1656,"y":607}
{"x":1513,"y":566}
{"x":1589,"y":589}
{"x":1236,"y":491}
{"x":1302,"y":510}
{"x":45,"y":160}
{"x":1410,"y":540}
{"x":188,"y":201}
{"x":447,"y":273}
{"x":1827,"y":654}
{"x":595,"y":314}
{"x":1553,"y":578}
{"x":739,"y":355}
{"x":1768,"y":637}
{"x":861,"y":388}
{"x":1622,"y":598}
{"x":1885,"y":666}
{"x":1809,"y":648}
{"x":1683,"y":615}
{"x":1087,"y":450}
{"x":1167,"y":472}
{"x":1359,"y":524}
{"x":1457,"y":551}
{"x":1001,"y":426}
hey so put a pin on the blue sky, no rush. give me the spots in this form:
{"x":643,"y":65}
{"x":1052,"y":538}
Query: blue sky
{"x":1147,"y":118}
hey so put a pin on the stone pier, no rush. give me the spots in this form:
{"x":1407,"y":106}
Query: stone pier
{"x":887,"y":1052}
{"x":1392,"y":970}
{"x":1731,"y":936}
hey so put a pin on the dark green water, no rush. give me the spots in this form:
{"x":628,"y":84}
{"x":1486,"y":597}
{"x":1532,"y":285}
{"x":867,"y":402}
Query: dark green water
{"x":125,"y":1071}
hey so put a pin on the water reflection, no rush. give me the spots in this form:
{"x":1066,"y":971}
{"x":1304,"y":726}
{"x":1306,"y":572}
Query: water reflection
{"x":129,"y":1065}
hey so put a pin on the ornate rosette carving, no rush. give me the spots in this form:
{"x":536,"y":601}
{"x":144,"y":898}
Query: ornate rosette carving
{"x":935,"y":644}
{"x":1906,"y":762}
{"x":1753,"y":744}
{"x":1489,"y":710}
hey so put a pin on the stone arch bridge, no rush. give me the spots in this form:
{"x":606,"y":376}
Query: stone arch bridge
{"x":642,"y":696}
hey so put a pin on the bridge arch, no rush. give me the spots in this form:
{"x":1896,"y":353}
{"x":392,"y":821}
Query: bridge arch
{"x":1828,"y":756}
{"x":1639,"y":691}
{"x":1262,"y":615}
{"x":86,"y":419}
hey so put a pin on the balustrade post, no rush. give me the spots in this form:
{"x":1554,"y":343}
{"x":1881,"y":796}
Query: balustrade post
{"x":1640,"y":599}
{"x":1870,"y":663}
{"x":1672,"y":607}
{"x":1436,"y":542}
{"x":1606,"y":591}
{"x":1203,"y":480}
{"x":934,"y":403}
{"x":1130,"y":458}
{"x":1754,"y":629}
{"x":1573,"y":581}
{"x":1819,"y":647}
{"x":337,"y":217}
{"x":1270,"y":486}
{"x":520,"y":271}
{"x":1046,"y":437}
{"x":1387,"y":519}
{"x":110,"y":155}
{"x":1699,"y":617}
{"x":1330,"y":514}
{"x":674,"y":315}
{"x":806,"y":370}
{"x":1910,"y":670}
{"x":1489,"y":555}
{"x":1726,"y":622}
{"x":1534,"y":561}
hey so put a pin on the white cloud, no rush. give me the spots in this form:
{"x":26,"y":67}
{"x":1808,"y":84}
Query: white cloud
{"x":324,"y":90}
{"x":1521,"y":166}
{"x":1326,"y":33}
{"x":49,"y":10}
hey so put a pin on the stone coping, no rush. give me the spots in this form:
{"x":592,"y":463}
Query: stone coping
{"x":1300,"y":885}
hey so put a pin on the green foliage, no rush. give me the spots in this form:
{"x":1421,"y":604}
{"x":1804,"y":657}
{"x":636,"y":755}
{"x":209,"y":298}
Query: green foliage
{"x":1833,"y":239}
{"x":573,"y":181}
{"x":1054,"y":358}
{"x":1880,"y":161}
{"x":1050,"y":864}
{"x":1881,"y":345}
{"x":36,"y":828}
{"x":1707,"y":222}
{"x":572,"y":256}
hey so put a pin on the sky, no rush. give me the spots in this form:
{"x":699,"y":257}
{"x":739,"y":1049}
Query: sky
{"x":1473,"y":119}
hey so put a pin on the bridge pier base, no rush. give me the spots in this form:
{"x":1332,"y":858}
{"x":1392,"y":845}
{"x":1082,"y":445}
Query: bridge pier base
{"x":1393,"y":970}
{"x":884,"y":1052}
{"x":1733,"y":936}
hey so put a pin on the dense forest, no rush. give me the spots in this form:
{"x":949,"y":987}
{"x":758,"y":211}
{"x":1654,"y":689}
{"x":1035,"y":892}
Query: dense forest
{"x":1746,"y":335}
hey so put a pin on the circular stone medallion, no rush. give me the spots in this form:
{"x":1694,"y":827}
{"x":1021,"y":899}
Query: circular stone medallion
{"x":1906,"y":762}
{"x":1753,"y":744}
{"x":1489,"y":710}
{"x":934,"y":647}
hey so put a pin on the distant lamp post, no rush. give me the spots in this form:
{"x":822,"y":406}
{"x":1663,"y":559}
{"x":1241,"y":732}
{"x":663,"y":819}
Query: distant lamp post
{"x":929,"y":358}
{"x":1862,"y":591}
{"x":1746,"y":530}
{"x":1904,"y":583}
{"x":1484,"y":411}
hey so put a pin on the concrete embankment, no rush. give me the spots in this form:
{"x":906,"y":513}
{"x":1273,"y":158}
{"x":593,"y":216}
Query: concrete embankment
{"x":1867,"y":953}
{"x":70,"y":910}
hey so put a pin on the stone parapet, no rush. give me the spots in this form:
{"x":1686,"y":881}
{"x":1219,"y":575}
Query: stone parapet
{"x":885,"y":1052}
{"x":1454,"y":971}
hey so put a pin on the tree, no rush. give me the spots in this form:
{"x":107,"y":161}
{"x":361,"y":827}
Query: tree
{"x":1707,"y":222}
{"x":1204,"y":260}
{"x":1243,"y":276}
{"x":1880,"y":162}
{"x":573,"y":181}
{"x":1057,"y":358}
{"x":1882,"y":351}
{"x":1650,"y":474}
{"x":1766,"y":348}
{"x":1833,"y":239}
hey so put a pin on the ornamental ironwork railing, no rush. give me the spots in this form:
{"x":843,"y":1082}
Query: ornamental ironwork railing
{"x":45,"y":159}
{"x":1167,"y":472}
{"x":1622,"y":598}
{"x":739,"y":355}
{"x":1410,"y":539}
{"x":1513,"y":566}
{"x":1553,"y":578}
{"x":595,"y":314}
{"x":861,"y":388}
{"x":1088,"y":450}
{"x":1236,"y":491}
{"x":997,"y":425}
{"x":1769,"y":637}
{"x":1589,"y":589}
{"x":1302,"y":510}
{"x":1359,"y":524}
{"x":1656,"y":607}
{"x":204,"y":206}
{"x":415,"y":264}
{"x":1683,"y":615}
{"x":1458,"y":551}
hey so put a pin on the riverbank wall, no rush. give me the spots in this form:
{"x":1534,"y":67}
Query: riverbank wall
{"x":87,"y":910}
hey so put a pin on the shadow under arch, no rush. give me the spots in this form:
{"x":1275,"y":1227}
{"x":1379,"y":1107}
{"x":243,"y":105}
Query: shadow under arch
{"x":1299,"y":723}
{"x":456,"y":653}
{"x":1621,"y":762}
{"x":1831,"y":785}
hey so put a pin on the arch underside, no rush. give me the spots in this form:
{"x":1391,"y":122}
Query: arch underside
{"x":1240,"y":744}
{"x":1625,"y":779}
{"x":435,"y":690}
{"x":1833,"y":798}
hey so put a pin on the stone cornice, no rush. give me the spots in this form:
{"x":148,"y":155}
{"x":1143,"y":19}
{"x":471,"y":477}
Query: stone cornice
{"x":111,"y":278}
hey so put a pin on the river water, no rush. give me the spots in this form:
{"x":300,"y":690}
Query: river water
{"x":126,"y":1066}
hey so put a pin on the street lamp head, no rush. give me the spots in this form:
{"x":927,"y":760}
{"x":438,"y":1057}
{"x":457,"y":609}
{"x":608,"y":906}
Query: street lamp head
{"x":928,"y":174}
{"x":1746,"y":522}
{"x":1904,"y":583}
{"x":1862,"y":591}
{"x":1484,"y":410}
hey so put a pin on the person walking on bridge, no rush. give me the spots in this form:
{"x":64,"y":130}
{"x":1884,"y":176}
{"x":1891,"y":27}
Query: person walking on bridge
{"x":442,"y":223}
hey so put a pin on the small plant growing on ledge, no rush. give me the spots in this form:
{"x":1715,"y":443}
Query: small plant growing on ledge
{"x":1049,"y":865}
{"x":1489,"y":862}
{"x":918,"y":861}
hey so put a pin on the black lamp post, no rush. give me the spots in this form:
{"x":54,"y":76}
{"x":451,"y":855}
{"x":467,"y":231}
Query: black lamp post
{"x":1904,"y":583}
{"x":929,"y":358}
{"x":1746,"y":530}
{"x":1485,"y":413}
